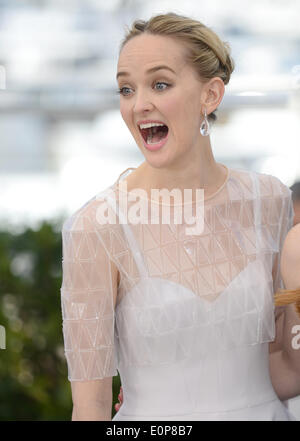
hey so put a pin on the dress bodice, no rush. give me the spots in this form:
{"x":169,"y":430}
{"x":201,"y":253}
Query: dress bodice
{"x":188,"y":326}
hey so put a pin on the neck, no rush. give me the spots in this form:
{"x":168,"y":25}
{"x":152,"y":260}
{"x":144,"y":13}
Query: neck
{"x":198,"y":170}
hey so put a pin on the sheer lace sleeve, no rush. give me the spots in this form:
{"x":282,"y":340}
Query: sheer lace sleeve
{"x":88,"y":294}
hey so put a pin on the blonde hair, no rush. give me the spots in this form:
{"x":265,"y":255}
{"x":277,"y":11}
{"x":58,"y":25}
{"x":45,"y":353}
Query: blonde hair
{"x":287,"y":296}
{"x":206,"y":52}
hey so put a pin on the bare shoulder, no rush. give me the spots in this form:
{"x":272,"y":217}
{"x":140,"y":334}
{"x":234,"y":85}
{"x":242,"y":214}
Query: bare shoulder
{"x":290,"y":258}
{"x":291,"y":245}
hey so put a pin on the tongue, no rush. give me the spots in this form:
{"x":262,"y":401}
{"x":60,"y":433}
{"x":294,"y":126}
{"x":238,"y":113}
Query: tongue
{"x":160,"y":134}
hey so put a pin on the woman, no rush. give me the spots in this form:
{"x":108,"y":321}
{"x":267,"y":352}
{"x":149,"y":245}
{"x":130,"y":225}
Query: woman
{"x":185,"y":315}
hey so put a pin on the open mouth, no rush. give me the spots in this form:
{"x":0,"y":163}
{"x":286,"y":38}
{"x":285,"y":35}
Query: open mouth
{"x":153,"y":135}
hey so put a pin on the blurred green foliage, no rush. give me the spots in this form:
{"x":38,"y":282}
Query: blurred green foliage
{"x":33,"y":368}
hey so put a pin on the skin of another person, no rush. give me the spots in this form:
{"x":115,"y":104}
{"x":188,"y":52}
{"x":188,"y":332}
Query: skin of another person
{"x":297,"y":212}
{"x":285,"y":360}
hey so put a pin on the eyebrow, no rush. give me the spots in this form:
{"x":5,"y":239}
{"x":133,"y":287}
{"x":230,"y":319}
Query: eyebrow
{"x":151,"y":70}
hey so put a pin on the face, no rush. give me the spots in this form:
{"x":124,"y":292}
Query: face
{"x":171,"y":96}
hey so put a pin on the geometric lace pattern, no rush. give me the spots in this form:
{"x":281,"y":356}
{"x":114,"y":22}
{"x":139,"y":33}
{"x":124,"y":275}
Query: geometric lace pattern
{"x":180,"y":296}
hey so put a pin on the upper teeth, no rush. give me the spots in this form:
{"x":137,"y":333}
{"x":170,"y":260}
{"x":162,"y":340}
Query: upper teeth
{"x":148,"y":125}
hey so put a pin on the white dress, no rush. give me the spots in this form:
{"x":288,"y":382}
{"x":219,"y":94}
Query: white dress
{"x":188,"y":328}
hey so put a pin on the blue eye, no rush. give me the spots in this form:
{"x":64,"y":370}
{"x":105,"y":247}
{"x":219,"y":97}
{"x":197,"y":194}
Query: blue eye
{"x":161,"y":82}
{"x":121,"y":90}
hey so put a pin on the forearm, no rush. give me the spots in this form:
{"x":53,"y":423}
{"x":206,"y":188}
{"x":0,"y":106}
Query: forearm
{"x":291,"y":338}
{"x":285,"y":378}
{"x":91,"y":412}
{"x":92,"y":400}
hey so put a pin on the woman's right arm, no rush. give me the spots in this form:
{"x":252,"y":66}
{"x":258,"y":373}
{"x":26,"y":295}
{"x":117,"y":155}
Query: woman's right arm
{"x":92,"y":400}
{"x":88,"y":298}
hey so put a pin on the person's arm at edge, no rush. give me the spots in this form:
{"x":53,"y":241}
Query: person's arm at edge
{"x":284,"y":358}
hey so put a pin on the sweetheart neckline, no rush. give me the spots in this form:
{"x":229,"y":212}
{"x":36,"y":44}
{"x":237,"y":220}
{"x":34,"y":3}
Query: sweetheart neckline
{"x":207,"y":303}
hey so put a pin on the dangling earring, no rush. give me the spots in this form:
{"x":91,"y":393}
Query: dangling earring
{"x":204,"y":127}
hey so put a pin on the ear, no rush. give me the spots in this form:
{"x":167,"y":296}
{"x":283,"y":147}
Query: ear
{"x":212,"y":94}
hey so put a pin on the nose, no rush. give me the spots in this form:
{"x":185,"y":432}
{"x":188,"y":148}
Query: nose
{"x":142,"y":102}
